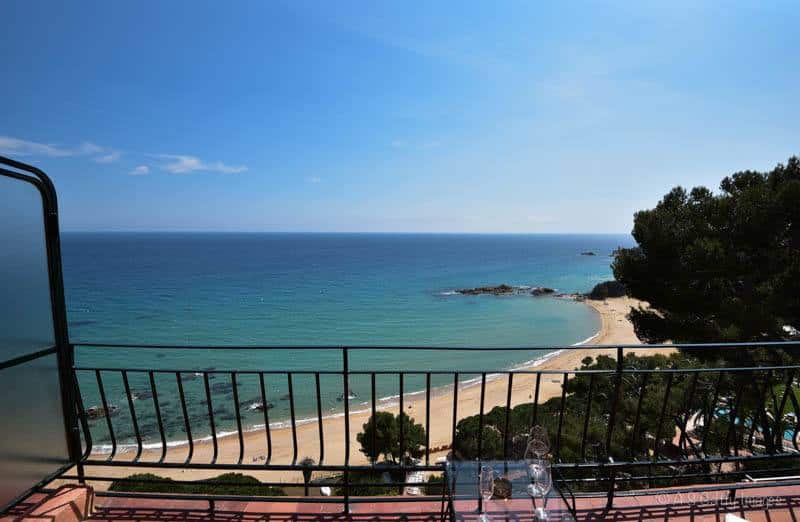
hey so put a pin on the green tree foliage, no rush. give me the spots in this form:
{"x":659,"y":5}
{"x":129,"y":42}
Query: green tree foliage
{"x":434,"y":486}
{"x":654,"y":407}
{"x":467,"y":437}
{"x":385,"y":428}
{"x":719,"y":267}
{"x":578,"y":414}
{"x":228,"y":484}
{"x":372,"y":483}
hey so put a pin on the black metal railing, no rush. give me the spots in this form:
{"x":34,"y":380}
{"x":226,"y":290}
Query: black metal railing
{"x":614,"y":426}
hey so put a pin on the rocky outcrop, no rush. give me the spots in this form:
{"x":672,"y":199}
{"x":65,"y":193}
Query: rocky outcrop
{"x":142,"y":395}
{"x":256,"y":405}
{"x":98,"y":412}
{"x":351,"y":396}
{"x":601,"y":291}
{"x":491,"y":290}
{"x":588,"y":253}
{"x":223,"y":387}
{"x":607,"y":289}
{"x":505,"y":289}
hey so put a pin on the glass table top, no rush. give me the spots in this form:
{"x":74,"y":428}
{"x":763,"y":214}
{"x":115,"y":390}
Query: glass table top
{"x":511,"y":499}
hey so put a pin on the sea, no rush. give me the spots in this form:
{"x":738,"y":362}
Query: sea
{"x":299,"y":290}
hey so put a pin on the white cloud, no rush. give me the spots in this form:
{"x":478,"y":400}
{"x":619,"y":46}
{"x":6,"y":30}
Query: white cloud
{"x":314,"y":179}
{"x":182,"y":164}
{"x":174,"y":163}
{"x":18,"y":147}
{"x":89,"y":148}
{"x":111,"y":157}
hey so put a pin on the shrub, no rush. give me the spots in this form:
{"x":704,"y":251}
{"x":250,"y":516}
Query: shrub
{"x":434,"y":486}
{"x":232,"y":484}
{"x":370,"y":483}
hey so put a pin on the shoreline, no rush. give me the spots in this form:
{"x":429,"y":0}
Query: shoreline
{"x":614,"y":329}
{"x":383,"y":403}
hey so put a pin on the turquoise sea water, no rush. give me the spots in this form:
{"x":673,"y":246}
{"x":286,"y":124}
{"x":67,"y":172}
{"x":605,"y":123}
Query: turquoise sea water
{"x":313,"y":289}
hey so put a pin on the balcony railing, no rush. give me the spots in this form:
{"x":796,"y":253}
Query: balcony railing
{"x":615,"y":427}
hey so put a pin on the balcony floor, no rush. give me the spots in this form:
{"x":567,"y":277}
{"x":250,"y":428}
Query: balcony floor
{"x":783,"y":504}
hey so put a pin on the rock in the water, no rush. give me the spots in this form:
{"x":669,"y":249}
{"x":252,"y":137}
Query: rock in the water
{"x":505,"y":289}
{"x":222,"y":387}
{"x":353,"y":395}
{"x":256,"y":405}
{"x":588,"y":253}
{"x":492,"y":290}
{"x":607,"y":289}
{"x":98,"y":412}
{"x":141,"y":395}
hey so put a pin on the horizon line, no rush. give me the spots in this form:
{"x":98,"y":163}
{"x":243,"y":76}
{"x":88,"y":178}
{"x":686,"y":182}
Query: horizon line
{"x":334,"y":232}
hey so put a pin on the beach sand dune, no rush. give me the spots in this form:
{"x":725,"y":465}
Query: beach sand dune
{"x":616,"y":329}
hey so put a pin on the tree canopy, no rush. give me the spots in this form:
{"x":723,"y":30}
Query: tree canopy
{"x":718,"y":267}
{"x":385,"y":429}
{"x":654,"y":411}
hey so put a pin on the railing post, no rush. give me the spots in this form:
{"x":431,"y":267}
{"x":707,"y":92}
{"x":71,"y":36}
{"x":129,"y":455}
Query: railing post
{"x":346,"y":397}
{"x":480,"y":419}
{"x":611,"y":483}
{"x":66,"y":350}
{"x":70,"y":395}
{"x":611,"y":421}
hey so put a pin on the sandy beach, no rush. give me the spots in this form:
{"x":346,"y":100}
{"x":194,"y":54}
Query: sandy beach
{"x":615,"y":329}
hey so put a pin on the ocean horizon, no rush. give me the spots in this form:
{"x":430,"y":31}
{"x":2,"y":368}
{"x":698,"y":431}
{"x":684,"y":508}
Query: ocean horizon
{"x":309,"y":289}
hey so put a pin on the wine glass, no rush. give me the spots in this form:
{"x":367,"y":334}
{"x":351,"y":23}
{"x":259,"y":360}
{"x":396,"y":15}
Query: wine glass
{"x":538,"y":446}
{"x":541,"y":483}
{"x":486,"y":488}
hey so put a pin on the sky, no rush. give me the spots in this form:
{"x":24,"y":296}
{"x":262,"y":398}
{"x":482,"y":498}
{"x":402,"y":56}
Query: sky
{"x":523,"y":117}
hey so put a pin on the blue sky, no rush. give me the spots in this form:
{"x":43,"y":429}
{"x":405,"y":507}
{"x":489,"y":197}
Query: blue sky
{"x":379,"y":116}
